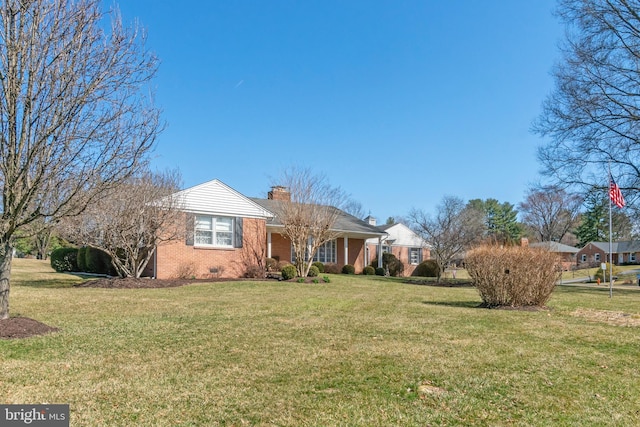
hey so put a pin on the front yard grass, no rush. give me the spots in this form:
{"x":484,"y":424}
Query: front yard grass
{"x":360,"y":350}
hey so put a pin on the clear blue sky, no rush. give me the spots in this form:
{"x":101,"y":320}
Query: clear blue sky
{"x":399,"y":103}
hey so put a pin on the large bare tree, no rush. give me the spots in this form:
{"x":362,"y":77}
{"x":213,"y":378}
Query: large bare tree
{"x":452,"y":230}
{"x":131,"y":220}
{"x":76,"y":114}
{"x":592,"y":118}
{"x":550,"y":212}
{"x":310,"y":214}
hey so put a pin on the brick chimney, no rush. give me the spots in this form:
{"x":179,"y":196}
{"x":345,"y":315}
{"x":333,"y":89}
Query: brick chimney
{"x":279,"y":192}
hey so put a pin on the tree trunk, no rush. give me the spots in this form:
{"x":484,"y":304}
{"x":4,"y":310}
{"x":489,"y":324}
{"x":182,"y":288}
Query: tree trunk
{"x":6,"y":255}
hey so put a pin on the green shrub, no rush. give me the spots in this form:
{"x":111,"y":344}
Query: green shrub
{"x":428,"y":268}
{"x":326,"y":279}
{"x":513,"y":276}
{"x":95,"y":261}
{"x":64,"y":259}
{"x":391,"y":263}
{"x":332,"y":268}
{"x":380,"y":271}
{"x":369,"y":271}
{"x":289,"y":272}
{"x":313,"y":271}
{"x":319,"y":265}
{"x":81,"y":258}
{"x":604,"y":277}
{"x":348,"y":269}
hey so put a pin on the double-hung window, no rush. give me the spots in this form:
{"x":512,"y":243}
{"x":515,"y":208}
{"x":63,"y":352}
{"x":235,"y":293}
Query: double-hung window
{"x":214,"y":231}
{"x":414,"y":256}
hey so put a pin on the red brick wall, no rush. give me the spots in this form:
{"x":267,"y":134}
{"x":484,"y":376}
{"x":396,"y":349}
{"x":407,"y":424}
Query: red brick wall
{"x":177,"y":259}
{"x":281,"y":250}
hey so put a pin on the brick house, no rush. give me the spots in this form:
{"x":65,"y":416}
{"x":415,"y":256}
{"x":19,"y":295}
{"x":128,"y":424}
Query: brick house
{"x":400,"y":241}
{"x":226,"y":232}
{"x":567,"y":253}
{"x":595,"y":253}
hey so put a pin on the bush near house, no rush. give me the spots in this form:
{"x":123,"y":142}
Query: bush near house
{"x":319,"y":266}
{"x":348,"y":269}
{"x":313,"y":271}
{"x":428,"y":268}
{"x":289,"y":272}
{"x":391,"y":263}
{"x":513,"y":276}
{"x":369,"y":271}
{"x":332,"y":268}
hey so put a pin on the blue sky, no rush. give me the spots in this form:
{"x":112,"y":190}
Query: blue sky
{"x":399,"y":103}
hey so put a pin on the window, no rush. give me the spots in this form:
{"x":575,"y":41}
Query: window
{"x":386,"y":249}
{"x":325,"y":254}
{"x":415,"y":255}
{"x":596,"y":257}
{"x":214,"y":231}
{"x":632,"y":257}
{"x":583,"y":258}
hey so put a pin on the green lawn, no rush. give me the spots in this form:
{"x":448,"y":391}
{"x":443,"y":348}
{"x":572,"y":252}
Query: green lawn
{"x":358,"y":351}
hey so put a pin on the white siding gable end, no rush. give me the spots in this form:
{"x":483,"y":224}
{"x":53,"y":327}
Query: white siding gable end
{"x":216,"y":198}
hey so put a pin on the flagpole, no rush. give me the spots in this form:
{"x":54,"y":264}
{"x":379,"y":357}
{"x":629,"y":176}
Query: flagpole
{"x":610,"y":241}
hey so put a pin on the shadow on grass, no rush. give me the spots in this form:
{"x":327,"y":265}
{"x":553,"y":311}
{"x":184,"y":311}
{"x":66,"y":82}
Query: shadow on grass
{"x":70,"y":281}
{"x":461,"y":304}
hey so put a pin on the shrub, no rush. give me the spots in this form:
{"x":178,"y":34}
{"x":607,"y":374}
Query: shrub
{"x":380,"y":271}
{"x":513,"y":276}
{"x":428,"y":268}
{"x":271,"y":264}
{"x":348,"y":269}
{"x":332,"y":268}
{"x":254,"y":272}
{"x":289,"y":272}
{"x":391,"y":263}
{"x":96,"y":261}
{"x":64,"y":259}
{"x":369,"y":271}
{"x":326,"y":279}
{"x":319,"y":265}
{"x":81,"y":258}
{"x":604,"y":277}
{"x":313,"y":271}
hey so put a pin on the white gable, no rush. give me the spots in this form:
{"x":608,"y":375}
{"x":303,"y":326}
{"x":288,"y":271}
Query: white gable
{"x":401,"y":235}
{"x":216,"y":198}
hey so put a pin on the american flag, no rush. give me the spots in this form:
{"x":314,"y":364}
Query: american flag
{"x":615,"y":194}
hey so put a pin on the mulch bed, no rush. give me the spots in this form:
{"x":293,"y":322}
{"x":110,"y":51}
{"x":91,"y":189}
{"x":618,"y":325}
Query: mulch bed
{"x":23,"y":327}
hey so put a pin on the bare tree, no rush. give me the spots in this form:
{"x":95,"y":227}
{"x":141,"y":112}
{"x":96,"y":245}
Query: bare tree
{"x":310,"y":214}
{"x":550,"y":212}
{"x":453,"y":229}
{"x":76,"y":116}
{"x":131,"y":221}
{"x":592,"y":118}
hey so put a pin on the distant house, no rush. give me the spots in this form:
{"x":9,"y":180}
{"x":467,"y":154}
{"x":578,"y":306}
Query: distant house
{"x":227,"y":232}
{"x":594,"y":253}
{"x":400,"y":241}
{"x":568,"y":254}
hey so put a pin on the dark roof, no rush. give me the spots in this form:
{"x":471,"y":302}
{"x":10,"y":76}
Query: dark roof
{"x":618,"y":247}
{"x":555,"y":247}
{"x":345,"y":223}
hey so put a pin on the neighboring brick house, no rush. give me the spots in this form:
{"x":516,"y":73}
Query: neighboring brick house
{"x":567,"y":253}
{"x":400,"y":241}
{"x":594,"y":253}
{"x":226,"y":232}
